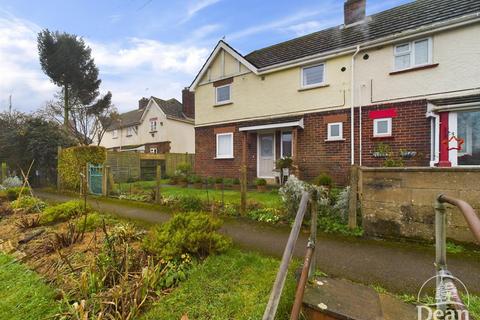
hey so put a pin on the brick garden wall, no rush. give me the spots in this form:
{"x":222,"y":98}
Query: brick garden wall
{"x":399,"y":202}
{"x":411,"y":132}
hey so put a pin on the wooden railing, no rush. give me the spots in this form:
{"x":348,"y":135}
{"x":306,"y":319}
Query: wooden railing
{"x":309,"y":261}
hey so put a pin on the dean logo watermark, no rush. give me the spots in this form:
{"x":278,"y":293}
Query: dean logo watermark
{"x":451,"y":300}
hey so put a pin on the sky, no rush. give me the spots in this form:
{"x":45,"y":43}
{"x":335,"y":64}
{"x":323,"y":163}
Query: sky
{"x":148,"y":47}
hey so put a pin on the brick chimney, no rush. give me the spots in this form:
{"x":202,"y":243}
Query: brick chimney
{"x":188,"y":102}
{"x":354,"y":11}
{"x":142,"y":103}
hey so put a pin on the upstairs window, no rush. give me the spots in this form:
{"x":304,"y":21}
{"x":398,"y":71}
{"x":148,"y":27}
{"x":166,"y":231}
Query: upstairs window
{"x":313,"y":75}
{"x":413,"y":54}
{"x":335,"y":131}
{"x":224,"y":145}
{"x":129,"y":131}
{"x":153,"y":125}
{"x":115,"y":134}
{"x":223,"y":94}
{"x":382,"y":127}
{"x":153,"y":150}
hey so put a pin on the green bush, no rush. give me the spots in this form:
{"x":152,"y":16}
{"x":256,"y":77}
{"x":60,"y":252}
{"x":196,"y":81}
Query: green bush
{"x":270,"y":215}
{"x":260,"y":182}
{"x":228,"y":181}
{"x":62,"y":212}
{"x":94,"y":221}
{"x":187,"y":233}
{"x":12,"y":193}
{"x":323,"y":180}
{"x":236,"y":181}
{"x":210,"y":180}
{"x":218,"y":180}
{"x":184,"y":169}
{"x":189,"y":203}
{"x":29,"y":204}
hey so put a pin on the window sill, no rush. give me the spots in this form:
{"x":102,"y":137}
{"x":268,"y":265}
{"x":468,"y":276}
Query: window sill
{"x":221,"y":104}
{"x":382,"y":137}
{"x":223,"y":158}
{"x":427,"y":66}
{"x":115,"y":138}
{"x":153,"y":131}
{"x":322,"y":85}
{"x":334,"y":140}
{"x":129,"y":135}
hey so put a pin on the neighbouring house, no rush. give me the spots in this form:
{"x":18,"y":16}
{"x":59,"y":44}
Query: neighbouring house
{"x":406,"y":79}
{"x":156,"y":126}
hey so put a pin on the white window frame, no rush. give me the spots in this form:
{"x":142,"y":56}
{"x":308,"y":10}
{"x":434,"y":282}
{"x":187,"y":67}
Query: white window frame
{"x":154,"y":150}
{"x":224,"y":101}
{"x":389,"y":127}
{"x":228,"y":156}
{"x":411,"y":51}
{"x":130,"y":131}
{"x":281,"y":143}
{"x":329,"y":131}
{"x":115,"y":134}
{"x":153,"y":125}
{"x":313,"y":85}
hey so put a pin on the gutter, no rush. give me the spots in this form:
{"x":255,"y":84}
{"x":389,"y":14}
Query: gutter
{"x":352,"y":107}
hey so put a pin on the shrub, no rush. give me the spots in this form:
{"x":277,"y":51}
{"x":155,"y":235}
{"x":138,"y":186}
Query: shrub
{"x":195,"y":179}
{"x":184,"y":169}
{"x":236,"y":181}
{"x":62,"y":212}
{"x":29,"y":204}
{"x":12,"y":193}
{"x":210,"y":180}
{"x":228,"y":181}
{"x":291,"y":193}
{"x":323,"y":180}
{"x":260,"y":182}
{"x":94,"y":221}
{"x":342,"y":203}
{"x":218,"y":180}
{"x":284,"y":163}
{"x":12,"y":182}
{"x":187,"y":233}
{"x":189,"y":203}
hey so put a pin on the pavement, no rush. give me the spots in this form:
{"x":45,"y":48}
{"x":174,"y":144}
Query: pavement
{"x":399,"y":267}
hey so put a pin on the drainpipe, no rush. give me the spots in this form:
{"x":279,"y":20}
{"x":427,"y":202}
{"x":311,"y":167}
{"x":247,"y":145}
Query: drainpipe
{"x":352,"y":109}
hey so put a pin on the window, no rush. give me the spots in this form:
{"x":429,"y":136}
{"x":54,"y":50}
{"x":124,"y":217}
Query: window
{"x":286,"y":146}
{"x":335,"y":131}
{"x":382,"y":127}
{"x":115,"y":134}
{"x":153,"y":150}
{"x":313,"y":76}
{"x":222,"y":94}
{"x":153,"y":125}
{"x":468,"y":127}
{"x":224,"y":145}
{"x":412,"y":54}
{"x":129,"y":131}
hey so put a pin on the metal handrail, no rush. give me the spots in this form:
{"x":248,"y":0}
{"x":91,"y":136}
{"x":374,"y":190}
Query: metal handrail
{"x":444,"y":277}
{"x":279,"y":283}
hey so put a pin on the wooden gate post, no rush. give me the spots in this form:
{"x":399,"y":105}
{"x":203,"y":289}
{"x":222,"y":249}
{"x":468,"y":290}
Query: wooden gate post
{"x":105,"y":173}
{"x":59,"y":178}
{"x":158,"y":178}
{"x":4,"y":172}
{"x":352,"y":205}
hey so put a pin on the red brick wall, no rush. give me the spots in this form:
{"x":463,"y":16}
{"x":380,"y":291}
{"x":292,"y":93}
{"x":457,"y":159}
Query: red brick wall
{"x":162,"y":147}
{"x":411,"y":131}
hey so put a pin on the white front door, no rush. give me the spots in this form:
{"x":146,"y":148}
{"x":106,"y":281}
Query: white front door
{"x":266,"y":155}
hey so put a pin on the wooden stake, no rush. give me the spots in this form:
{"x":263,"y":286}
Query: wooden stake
{"x":352,"y":205}
{"x":157,"y":190}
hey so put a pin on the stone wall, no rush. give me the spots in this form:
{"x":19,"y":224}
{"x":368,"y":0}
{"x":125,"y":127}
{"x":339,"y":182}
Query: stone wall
{"x":399,"y":202}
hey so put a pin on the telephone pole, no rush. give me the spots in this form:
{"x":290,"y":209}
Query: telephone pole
{"x":10,"y":104}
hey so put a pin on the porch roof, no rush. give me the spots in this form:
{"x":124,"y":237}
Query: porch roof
{"x":298,"y":123}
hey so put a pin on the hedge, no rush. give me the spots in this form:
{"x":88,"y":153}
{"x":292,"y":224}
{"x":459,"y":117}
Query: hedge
{"x":72,"y":162}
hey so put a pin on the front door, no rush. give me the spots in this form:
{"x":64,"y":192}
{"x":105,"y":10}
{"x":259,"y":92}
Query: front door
{"x":266,"y":155}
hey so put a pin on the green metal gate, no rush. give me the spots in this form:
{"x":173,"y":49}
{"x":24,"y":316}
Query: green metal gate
{"x":95,"y":174}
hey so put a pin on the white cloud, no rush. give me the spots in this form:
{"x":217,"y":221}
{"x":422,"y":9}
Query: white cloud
{"x":21,"y":75}
{"x":304,"y":28}
{"x":127,"y":67}
{"x":196,"y":6}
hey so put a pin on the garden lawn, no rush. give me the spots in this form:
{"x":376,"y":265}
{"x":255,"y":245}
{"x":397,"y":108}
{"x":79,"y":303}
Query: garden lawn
{"x":234,"y":285}
{"x":269,"y":199}
{"x":23,"y":294}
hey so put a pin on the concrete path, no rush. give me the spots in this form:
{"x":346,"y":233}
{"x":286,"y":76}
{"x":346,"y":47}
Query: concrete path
{"x":398,"y":267}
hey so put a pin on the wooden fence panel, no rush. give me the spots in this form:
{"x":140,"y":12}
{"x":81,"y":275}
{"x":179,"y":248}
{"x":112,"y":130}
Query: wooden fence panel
{"x":172,"y":160}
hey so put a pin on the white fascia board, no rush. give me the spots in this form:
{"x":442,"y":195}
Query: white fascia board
{"x":221,"y":46}
{"x":298,"y":123}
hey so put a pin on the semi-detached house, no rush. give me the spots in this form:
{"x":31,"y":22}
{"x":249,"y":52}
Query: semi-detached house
{"x":405,"y":79}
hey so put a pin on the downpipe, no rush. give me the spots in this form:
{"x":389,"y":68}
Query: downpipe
{"x":352,"y":108}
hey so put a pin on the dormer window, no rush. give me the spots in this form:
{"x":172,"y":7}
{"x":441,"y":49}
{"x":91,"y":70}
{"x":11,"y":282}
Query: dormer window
{"x":223,"y":94}
{"x":313,"y":76}
{"x":129,"y":131}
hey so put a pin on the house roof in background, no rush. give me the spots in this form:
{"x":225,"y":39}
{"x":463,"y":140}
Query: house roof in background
{"x":128,"y":119}
{"x":172,"y":108}
{"x":406,"y":17}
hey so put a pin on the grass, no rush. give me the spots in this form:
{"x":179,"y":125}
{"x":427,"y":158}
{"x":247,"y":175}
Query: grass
{"x":23,"y":294}
{"x":268,"y":199}
{"x":235,"y":285}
